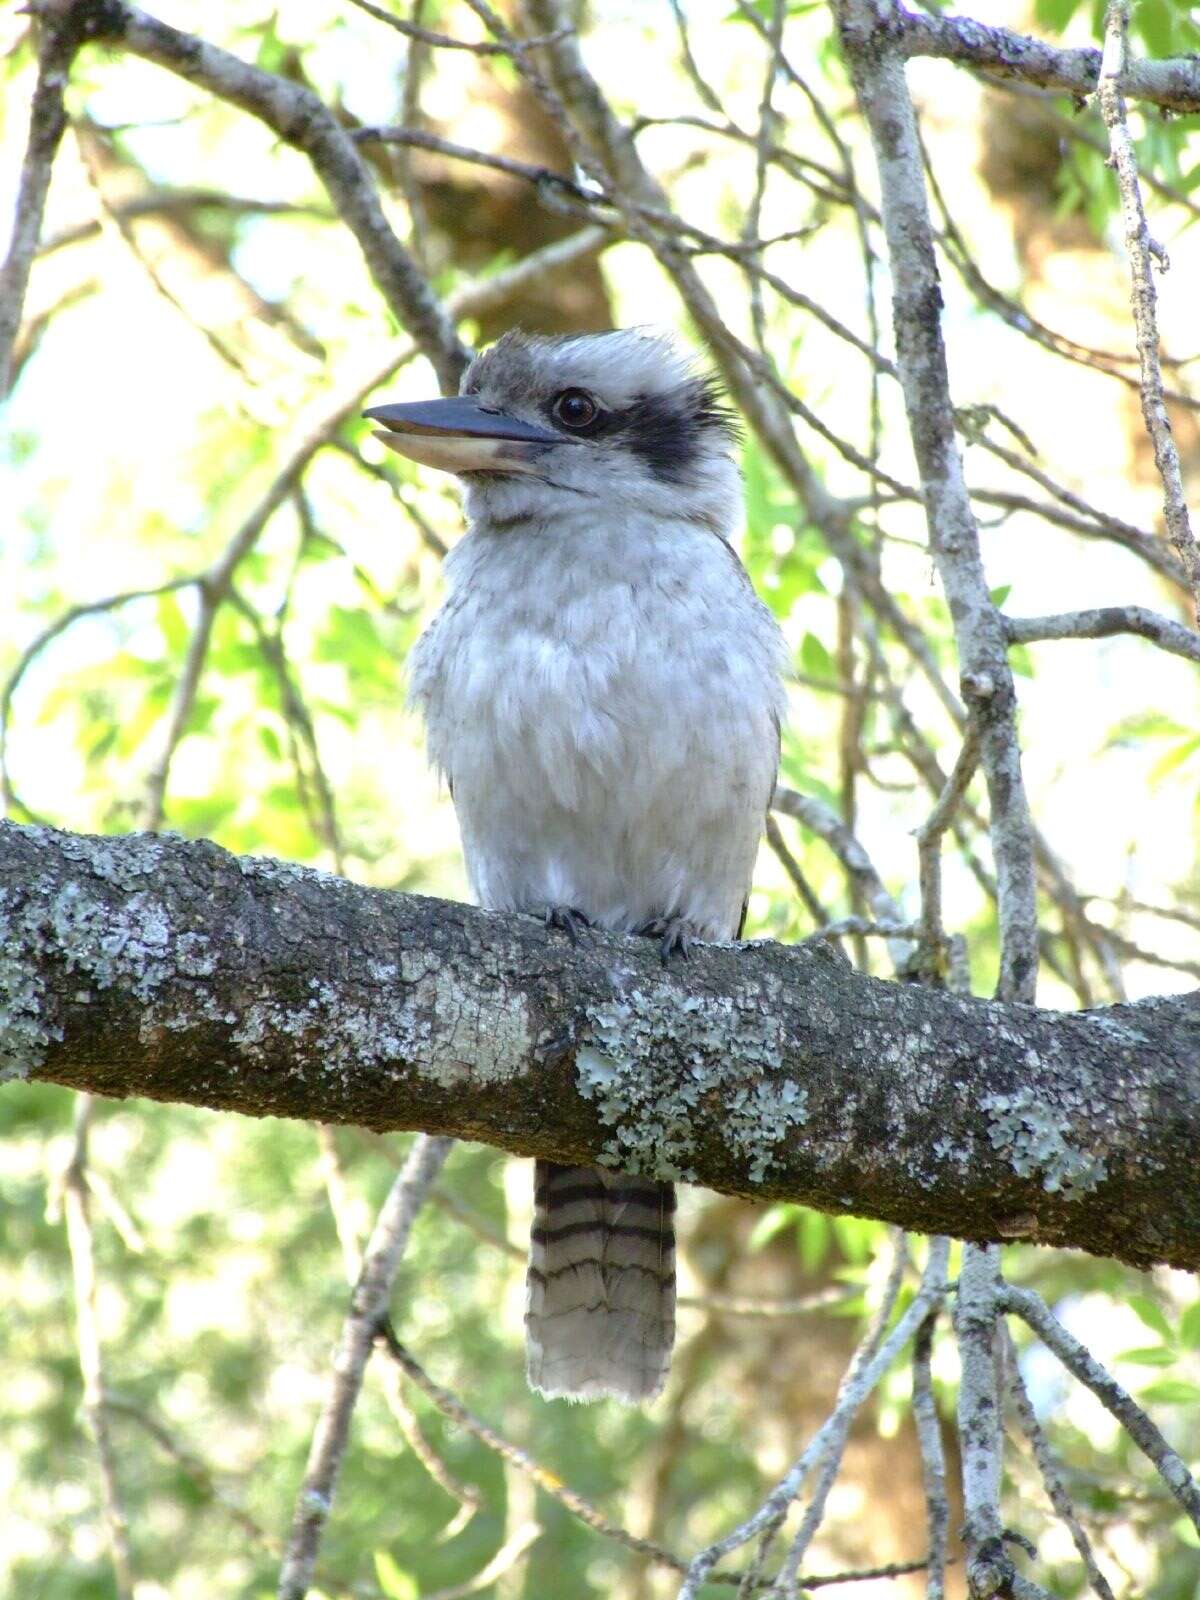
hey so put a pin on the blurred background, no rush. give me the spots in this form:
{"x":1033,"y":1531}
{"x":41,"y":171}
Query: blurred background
{"x":200,"y":335}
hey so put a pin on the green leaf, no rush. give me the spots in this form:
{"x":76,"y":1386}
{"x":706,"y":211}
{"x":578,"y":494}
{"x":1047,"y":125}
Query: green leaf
{"x":813,"y":1237}
{"x":1001,"y":594}
{"x":1189,"y":1327}
{"x":1186,"y":1533}
{"x":1172,"y":1391}
{"x":395,"y":1583}
{"x":1020,"y":660}
{"x":173,"y":623}
{"x":773,"y":1221}
{"x":1055,"y":14}
{"x":1151,"y":1314}
{"x":1152,"y":1355}
{"x":1153,"y":20}
{"x":815,"y":658}
{"x":1173,"y":758}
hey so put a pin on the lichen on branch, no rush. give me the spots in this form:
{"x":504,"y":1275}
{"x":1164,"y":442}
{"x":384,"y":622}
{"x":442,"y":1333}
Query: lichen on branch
{"x":156,"y":966}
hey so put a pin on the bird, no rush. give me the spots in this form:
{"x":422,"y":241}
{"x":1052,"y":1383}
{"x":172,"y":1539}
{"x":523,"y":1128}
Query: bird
{"x":602,"y":691}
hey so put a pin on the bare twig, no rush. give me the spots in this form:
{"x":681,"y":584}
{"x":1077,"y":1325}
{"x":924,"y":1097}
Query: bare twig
{"x":985,"y":675}
{"x":795,"y":873}
{"x":443,"y":41}
{"x":197,"y":1470}
{"x":509,"y":1553}
{"x":29,"y":655}
{"x":178,"y":203}
{"x":1033,"y":1310}
{"x":1056,"y":1489}
{"x":822,"y":820}
{"x":368,"y":1305}
{"x":91,"y":1358}
{"x":989,"y":1569}
{"x":933,"y":1458}
{"x":1102,"y":623}
{"x":1143,"y":250}
{"x":929,"y":845}
{"x":828,"y":1463}
{"x":580,"y":1507}
{"x":850,"y":1399}
{"x":300,"y":117}
{"x":59,"y":39}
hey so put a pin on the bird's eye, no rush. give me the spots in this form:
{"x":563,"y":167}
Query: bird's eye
{"x":574,"y":408}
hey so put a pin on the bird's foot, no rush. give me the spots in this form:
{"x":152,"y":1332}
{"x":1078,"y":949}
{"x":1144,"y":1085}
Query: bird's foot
{"x":675,"y":936}
{"x":567,"y":919}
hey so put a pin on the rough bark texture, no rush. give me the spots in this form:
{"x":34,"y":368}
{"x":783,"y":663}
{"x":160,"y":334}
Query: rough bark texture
{"x":151,"y":965}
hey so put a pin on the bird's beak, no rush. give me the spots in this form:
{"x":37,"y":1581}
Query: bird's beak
{"x":459,"y":435}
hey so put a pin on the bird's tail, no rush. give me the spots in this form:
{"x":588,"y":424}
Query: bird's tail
{"x":600,"y":1310}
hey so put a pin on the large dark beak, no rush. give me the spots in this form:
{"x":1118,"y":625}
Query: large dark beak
{"x":459,"y":435}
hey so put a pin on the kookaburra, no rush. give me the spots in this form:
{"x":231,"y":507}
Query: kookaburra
{"x":602,"y":690}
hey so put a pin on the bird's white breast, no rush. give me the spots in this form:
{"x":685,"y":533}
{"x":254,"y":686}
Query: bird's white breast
{"x":604,"y":703}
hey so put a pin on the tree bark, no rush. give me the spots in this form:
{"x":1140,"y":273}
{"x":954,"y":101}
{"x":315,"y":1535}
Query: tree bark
{"x":156,"y":966}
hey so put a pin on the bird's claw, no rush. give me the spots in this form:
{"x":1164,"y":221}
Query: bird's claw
{"x":550,"y":1052}
{"x":675,"y":936}
{"x":567,"y":919}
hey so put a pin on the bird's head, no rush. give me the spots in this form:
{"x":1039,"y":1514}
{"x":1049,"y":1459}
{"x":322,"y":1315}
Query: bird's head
{"x":543,"y":425}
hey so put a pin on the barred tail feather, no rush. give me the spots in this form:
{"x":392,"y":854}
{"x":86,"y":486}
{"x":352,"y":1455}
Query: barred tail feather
{"x":600,"y":1309}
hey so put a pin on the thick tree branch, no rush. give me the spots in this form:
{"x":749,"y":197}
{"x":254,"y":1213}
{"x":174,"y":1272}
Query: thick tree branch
{"x":161,"y":967}
{"x":1172,"y":84}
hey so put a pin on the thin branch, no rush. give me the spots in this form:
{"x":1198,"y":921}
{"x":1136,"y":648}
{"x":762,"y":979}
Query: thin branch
{"x":1033,"y":1310}
{"x":984,"y":670}
{"x":421,"y":139}
{"x":989,"y":1568}
{"x":503,"y":1561}
{"x":1056,"y":1489}
{"x":176,"y":203}
{"x":828,"y":1463}
{"x":91,"y":1357}
{"x":196,"y":1470}
{"x":443,"y":41}
{"x":302,"y":119}
{"x":850,"y":1399}
{"x":34,"y":648}
{"x":929,"y":845}
{"x":822,"y":820}
{"x":933,"y":1458}
{"x":59,"y":39}
{"x":368,"y":1306}
{"x":467,"y":1499}
{"x":1102,"y":623}
{"x":796,"y":874}
{"x":1115,"y":76}
{"x":578,"y":1505}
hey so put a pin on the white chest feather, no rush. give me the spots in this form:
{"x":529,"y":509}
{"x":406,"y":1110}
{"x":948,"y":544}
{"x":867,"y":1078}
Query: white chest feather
{"x":605,"y":705}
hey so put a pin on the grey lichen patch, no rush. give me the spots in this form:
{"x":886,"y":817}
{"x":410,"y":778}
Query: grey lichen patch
{"x":732,"y":1055}
{"x":25,"y":1030}
{"x":436,"y":1025}
{"x":129,"y":945}
{"x":1035,"y":1138}
{"x":496,"y":1046}
{"x":120,"y":942}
